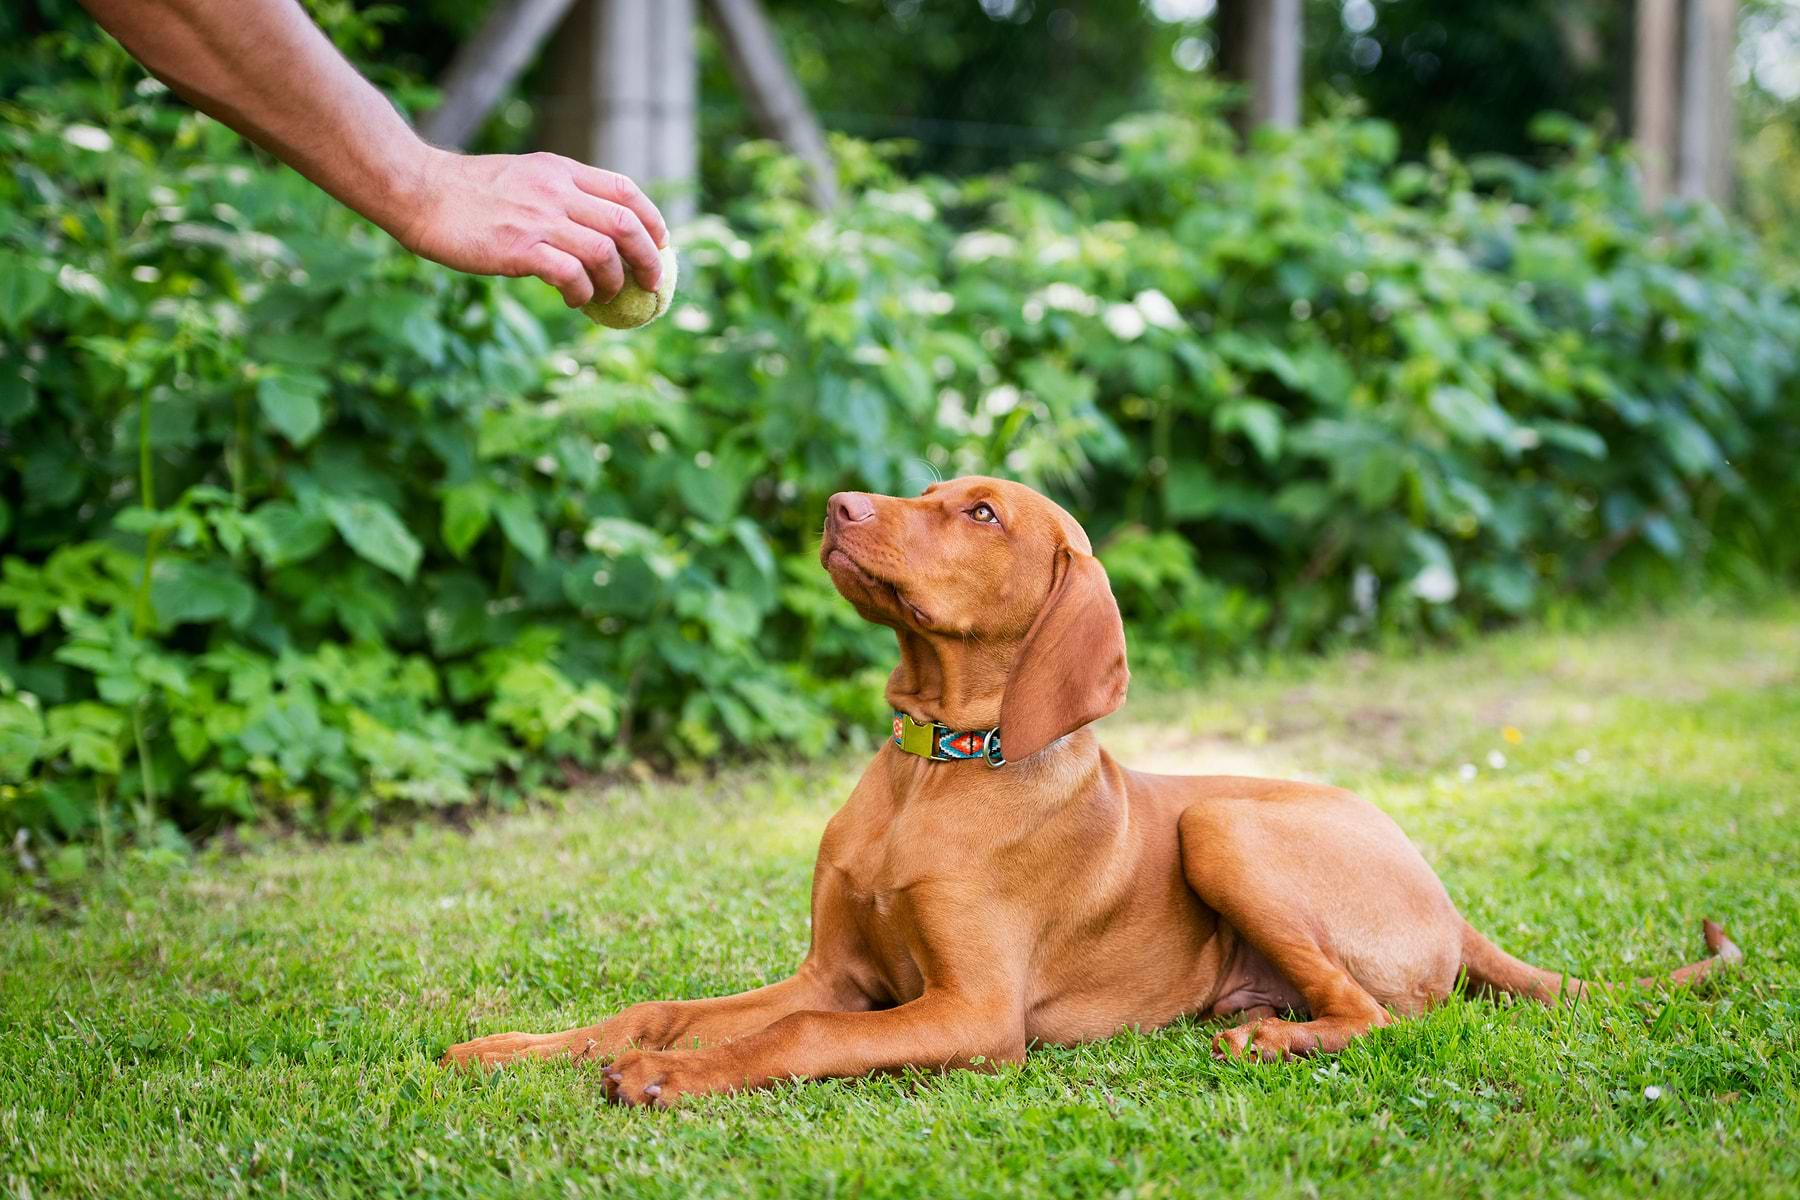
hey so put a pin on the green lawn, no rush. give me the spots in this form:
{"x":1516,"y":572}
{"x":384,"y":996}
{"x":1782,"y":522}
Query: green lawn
{"x":269,"y":1022}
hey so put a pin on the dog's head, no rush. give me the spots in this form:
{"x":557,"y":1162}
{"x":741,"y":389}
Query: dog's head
{"x":1004,"y":615}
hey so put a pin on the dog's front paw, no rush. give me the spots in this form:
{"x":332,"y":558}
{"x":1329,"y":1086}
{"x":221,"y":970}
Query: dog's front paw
{"x":497,"y":1048}
{"x":489,"y":1051}
{"x":659,"y":1078}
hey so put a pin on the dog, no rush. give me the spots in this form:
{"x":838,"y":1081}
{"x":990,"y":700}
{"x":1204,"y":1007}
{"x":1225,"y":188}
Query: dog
{"x":997,"y":880}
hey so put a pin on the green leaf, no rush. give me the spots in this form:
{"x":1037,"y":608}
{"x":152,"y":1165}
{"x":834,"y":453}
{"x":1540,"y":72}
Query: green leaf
{"x":1511,"y":586}
{"x":89,"y":734}
{"x":184,"y":591}
{"x":66,"y":864}
{"x":1577,"y":438}
{"x":23,"y":289}
{"x":1470,"y":418}
{"x":710,"y":493}
{"x":23,"y":738}
{"x":519,"y":521}
{"x":1257,"y":420}
{"x":293,"y":349}
{"x":1189,"y":491}
{"x":466,"y":510}
{"x":1378,"y":475}
{"x":18,"y":399}
{"x":290,"y":402}
{"x":751,"y":538}
{"x":377,"y":534}
{"x":1689,"y":444}
{"x":282,"y":533}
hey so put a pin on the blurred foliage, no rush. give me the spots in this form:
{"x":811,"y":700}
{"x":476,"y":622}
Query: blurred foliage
{"x":971,"y":85}
{"x":296,"y":526}
{"x":1473,"y":75}
{"x":1768,"y":191}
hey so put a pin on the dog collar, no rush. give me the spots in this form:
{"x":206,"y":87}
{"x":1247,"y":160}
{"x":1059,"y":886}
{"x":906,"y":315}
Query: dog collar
{"x":940,"y":743}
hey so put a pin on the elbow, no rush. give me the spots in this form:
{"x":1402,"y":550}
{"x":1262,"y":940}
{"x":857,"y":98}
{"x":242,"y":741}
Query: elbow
{"x":986,"y":1043}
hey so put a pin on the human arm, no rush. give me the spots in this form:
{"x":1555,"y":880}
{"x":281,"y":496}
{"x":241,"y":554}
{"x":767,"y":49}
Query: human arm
{"x":263,"y":68}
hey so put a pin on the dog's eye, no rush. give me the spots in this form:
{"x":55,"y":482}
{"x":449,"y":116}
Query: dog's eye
{"x":984,"y":514}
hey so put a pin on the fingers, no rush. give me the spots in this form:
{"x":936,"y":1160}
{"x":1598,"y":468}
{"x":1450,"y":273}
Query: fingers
{"x":610,"y":185}
{"x":561,"y":270}
{"x":626,"y":231}
{"x":598,"y":255}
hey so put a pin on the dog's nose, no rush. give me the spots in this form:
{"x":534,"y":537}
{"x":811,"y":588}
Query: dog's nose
{"x":847,"y":508}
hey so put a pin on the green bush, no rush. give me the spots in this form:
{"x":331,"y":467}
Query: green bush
{"x":294,"y":525}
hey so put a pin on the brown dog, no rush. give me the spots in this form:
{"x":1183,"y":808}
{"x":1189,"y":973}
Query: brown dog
{"x":962,"y":912}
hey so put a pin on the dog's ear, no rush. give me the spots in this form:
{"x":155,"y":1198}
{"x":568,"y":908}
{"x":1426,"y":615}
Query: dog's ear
{"x":1071,"y":669}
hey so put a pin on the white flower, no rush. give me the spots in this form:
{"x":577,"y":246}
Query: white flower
{"x":1066,"y":297}
{"x":1159,"y":310}
{"x":692,"y":319}
{"x":1653,"y":1092}
{"x":907,"y":204}
{"x":76,"y":282}
{"x":983,"y":245}
{"x":1125,"y":321}
{"x":951,"y":414}
{"x":1001,"y":400}
{"x":1365,"y":587}
{"x":88,"y":137}
{"x":1582,"y":756}
{"x":1436,"y":584}
{"x":1496,"y":760}
{"x":1466,"y":772}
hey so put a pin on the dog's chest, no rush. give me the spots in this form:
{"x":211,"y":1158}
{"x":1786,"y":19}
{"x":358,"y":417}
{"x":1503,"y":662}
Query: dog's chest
{"x":868,"y":891}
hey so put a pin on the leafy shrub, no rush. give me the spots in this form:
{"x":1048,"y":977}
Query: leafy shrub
{"x":296,"y":525}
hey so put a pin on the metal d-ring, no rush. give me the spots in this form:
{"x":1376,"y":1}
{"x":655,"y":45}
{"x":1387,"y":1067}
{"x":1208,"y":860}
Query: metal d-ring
{"x":990,"y":749}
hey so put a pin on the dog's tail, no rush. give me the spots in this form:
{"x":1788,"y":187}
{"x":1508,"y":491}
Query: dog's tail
{"x":1492,"y":970}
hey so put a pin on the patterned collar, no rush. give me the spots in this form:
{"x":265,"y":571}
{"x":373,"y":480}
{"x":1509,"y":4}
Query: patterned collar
{"x":940,"y":743}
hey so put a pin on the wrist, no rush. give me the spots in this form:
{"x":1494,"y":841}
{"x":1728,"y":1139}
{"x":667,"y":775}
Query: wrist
{"x":404,"y":192}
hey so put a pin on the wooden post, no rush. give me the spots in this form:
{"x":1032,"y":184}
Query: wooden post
{"x":1703,"y":161}
{"x":1656,"y":77}
{"x":625,"y":84}
{"x":1259,"y":44}
{"x":486,"y":65}
{"x":675,"y":86}
{"x":776,"y":102}
{"x":621,"y":95}
{"x":1683,"y":114}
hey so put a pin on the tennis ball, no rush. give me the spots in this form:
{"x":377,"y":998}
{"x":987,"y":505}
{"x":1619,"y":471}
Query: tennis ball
{"x":634,"y":306}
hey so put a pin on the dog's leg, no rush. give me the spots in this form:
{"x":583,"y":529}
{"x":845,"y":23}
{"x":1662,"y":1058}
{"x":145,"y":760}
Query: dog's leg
{"x":939,"y":1031}
{"x":661,"y":1023}
{"x":1339,"y":903}
{"x":1340,"y":1008}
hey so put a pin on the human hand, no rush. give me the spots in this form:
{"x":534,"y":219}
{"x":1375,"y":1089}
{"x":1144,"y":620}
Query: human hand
{"x":573,"y":226}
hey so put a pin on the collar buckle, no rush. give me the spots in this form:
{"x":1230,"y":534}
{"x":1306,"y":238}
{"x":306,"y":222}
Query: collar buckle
{"x":915,"y":738}
{"x":940,"y":743}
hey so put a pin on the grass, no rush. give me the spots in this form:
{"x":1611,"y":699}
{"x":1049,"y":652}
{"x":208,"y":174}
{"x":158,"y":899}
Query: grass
{"x":267,"y":1023}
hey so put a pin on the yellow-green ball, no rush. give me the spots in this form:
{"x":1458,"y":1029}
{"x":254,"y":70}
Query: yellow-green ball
{"x":634,"y":306}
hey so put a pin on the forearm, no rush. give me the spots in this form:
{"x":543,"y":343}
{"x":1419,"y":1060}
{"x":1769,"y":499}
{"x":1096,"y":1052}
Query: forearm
{"x":263,"y":68}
